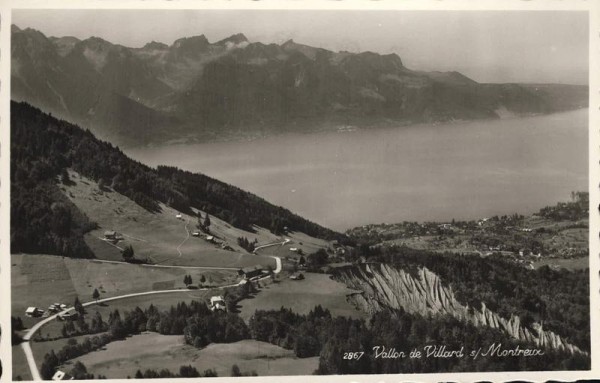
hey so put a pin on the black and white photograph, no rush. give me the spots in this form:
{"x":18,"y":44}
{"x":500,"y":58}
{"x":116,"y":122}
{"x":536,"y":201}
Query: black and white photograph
{"x":277,"y":192}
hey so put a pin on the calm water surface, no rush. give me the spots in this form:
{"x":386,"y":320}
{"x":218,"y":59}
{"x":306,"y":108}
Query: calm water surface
{"x":424,"y":172}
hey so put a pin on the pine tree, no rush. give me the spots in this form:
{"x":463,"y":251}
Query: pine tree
{"x":78,"y":306}
{"x":128,"y":253}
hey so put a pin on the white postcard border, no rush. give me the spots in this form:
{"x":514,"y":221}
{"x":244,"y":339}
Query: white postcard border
{"x":592,"y":6}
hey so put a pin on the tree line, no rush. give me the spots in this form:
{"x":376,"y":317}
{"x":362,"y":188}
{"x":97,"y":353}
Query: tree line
{"x":184,"y":372}
{"x":319,"y":333}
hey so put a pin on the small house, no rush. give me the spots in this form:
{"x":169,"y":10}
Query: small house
{"x":196,"y":234}
{"x":34,"y":312}
{"x":251,"y":272}
{"x":67,"y":316}
{"x":210,"y":238}
{"x":110,"y":234}
{"x":297,"y":277}
{"x":294,"y":249}
{"x":217,"y":302}
{"x":54,"y":308}
{"x":60,"y":375}
{"x":179,"y":216}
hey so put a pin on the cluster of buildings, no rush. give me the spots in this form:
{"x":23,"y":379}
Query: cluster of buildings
{"x":36,"y":312}
{"x":253,"y":272}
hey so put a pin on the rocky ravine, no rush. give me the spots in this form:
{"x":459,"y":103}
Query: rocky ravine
{"x":384,"y":286}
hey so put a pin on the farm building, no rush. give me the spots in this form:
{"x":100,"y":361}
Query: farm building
{"x":56,"y":307}
{"x":217,"y":303}
{"x":225,"y":246}
{"x":60,"y":375}
{"x":34,"y":312}
{"x":251,"y":272}
{"x":67,"y":316}
{"x":297,"y":277}
{"x":110,"y":234}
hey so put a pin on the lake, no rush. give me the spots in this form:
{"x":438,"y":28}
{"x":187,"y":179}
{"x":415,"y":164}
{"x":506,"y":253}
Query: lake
{"x":461,"y":170}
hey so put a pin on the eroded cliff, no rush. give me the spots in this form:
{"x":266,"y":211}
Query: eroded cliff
{"x":421,"y":291}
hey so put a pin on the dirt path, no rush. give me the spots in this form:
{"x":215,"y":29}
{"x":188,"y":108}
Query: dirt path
{"x":178,"y":248}
{"x":187,"y":231}
{"x":277,"y":259}
{"x":166,"y":266}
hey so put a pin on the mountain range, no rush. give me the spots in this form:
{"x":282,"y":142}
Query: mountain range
{"x":195,"y":90}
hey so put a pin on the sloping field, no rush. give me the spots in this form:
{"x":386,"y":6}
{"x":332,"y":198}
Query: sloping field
{"x":40,"y":280}
{"x":302,"y":296}
{"x":159,"y":237}
{"x":154,"y":351}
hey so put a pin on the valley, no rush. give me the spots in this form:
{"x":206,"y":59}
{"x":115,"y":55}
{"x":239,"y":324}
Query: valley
{"x":291,"y":290}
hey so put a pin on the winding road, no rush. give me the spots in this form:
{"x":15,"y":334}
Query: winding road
{"x":26,"y":346}
{"x":277,"y":259}
{"x":35,"y":374}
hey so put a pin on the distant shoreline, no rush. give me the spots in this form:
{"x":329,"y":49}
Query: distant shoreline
{"x":336,"y":127}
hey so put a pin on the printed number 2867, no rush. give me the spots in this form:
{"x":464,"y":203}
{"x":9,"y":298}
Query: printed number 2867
{"x":353,"y":355}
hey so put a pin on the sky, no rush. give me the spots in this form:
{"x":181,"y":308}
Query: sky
{"x":487,"y":46}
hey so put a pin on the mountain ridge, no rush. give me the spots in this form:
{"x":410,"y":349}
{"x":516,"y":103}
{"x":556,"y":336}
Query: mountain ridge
{"x":197,"y":90}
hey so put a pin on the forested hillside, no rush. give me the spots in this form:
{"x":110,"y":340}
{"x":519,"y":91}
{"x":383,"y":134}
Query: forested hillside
{"x":43,"y":220}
